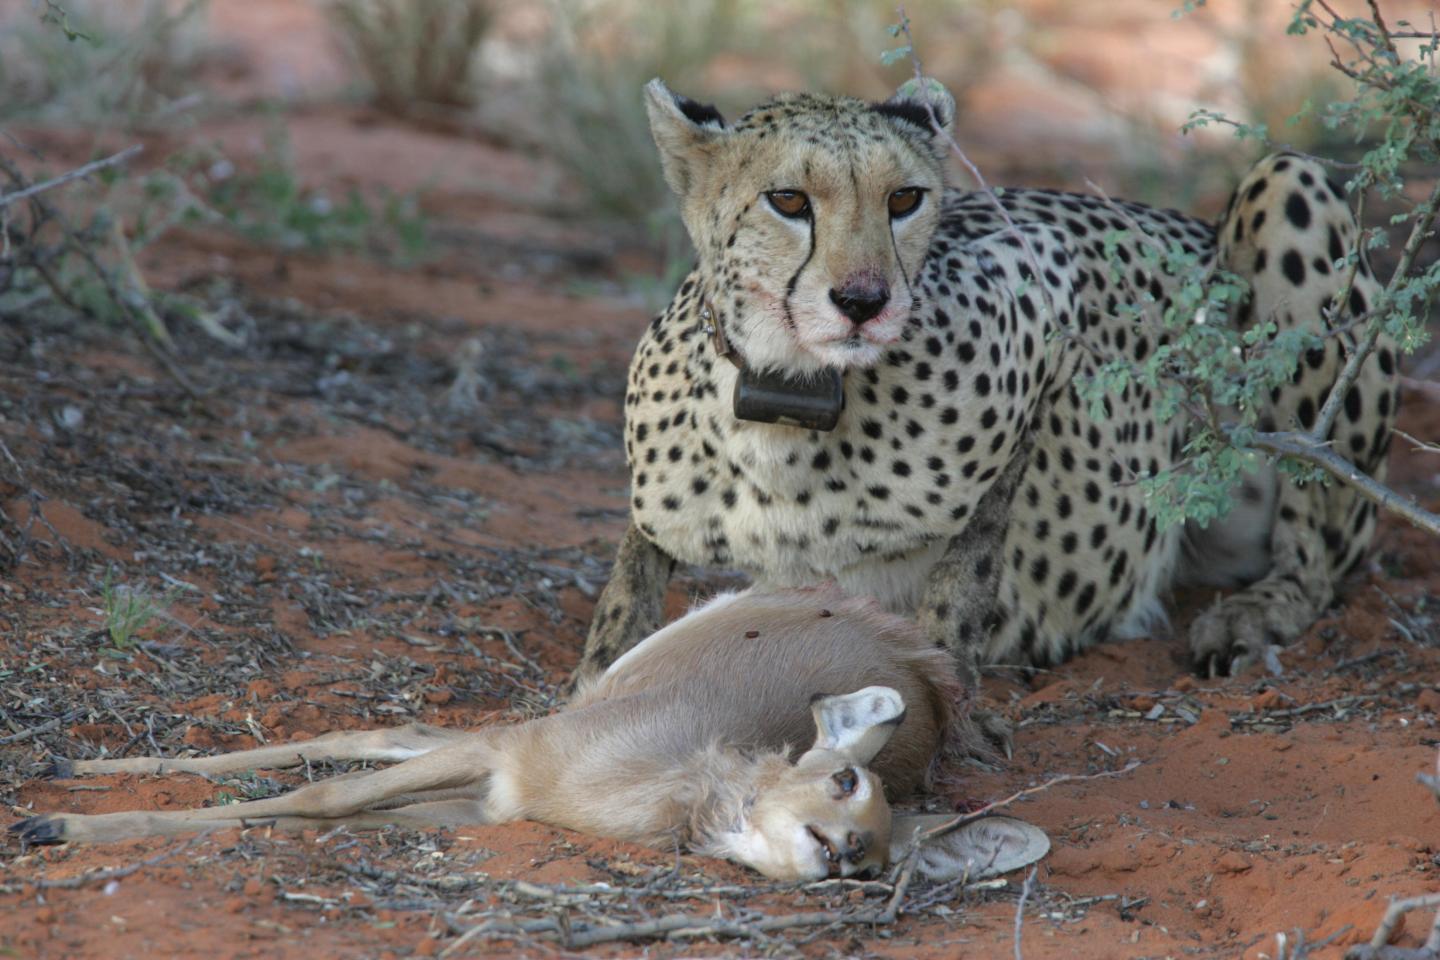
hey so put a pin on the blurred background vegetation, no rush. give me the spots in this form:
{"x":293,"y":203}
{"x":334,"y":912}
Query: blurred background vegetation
{"x":1050,"y":92}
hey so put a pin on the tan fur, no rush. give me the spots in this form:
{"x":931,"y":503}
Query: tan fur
{"x":688,"y":739}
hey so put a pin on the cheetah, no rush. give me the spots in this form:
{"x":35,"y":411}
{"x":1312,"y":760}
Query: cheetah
{"x":865,"y":381}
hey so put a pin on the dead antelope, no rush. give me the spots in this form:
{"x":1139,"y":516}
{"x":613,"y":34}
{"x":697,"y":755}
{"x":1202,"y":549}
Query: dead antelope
{"x":685,"y":738}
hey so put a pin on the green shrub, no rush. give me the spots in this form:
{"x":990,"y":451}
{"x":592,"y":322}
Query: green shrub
{"x":1219,"y":375}
{"x":100,"y":61}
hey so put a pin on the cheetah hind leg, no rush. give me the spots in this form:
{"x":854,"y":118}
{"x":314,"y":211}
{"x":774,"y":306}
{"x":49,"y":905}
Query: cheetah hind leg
{"x":1285,"y":229}
{"x":958,"y":609}
{"x":1235,"y":631}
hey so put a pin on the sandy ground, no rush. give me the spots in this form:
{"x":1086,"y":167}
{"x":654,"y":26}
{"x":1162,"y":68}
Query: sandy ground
{"x":343,"y":542}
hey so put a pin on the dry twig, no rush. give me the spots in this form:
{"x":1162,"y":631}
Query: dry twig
{"x":1379,"y":949}
{"x":118,"y":873}
{"x":76,"y":174}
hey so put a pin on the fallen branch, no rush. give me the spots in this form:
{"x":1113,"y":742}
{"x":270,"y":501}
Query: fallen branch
{"x":1020,"y":909}
{"x":966,"y":819}
{"x":45,"y":727}
{"x":1378,"y":948}
{"x":117,"y":873}
{"x":1431,"y":780}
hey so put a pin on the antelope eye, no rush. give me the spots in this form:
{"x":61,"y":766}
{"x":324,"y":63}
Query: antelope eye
{"x":789,"y":203}
{"x":847,"y":780}
{"x":903,"y":202}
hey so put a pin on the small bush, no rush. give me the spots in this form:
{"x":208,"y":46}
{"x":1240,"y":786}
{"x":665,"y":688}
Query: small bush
{"x":414,"y":53}
{"x":271,"y":205}
{"x":99,"y":61}
{"x":129,"y":612}
{"x":600,"y":56}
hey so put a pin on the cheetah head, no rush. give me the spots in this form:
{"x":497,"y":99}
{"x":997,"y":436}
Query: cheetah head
{"x":811,"y":216}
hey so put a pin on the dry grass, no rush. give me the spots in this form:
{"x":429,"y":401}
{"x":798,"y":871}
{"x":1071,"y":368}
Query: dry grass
{"x":414,"y":53}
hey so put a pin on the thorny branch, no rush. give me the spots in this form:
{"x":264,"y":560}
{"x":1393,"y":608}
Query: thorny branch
{"x":939,"y":130}
{"x":1314,"y":445}
{"x":76,"y":174}
{"x":42,"y":260}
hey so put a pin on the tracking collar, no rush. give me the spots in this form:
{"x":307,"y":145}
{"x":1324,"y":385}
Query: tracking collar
{"x":811,"y":402}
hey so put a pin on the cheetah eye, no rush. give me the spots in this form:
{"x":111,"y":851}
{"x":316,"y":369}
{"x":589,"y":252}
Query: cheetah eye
{"x":789,"y":203}
{"x":847,"y":780}
{"x":905,"y":201}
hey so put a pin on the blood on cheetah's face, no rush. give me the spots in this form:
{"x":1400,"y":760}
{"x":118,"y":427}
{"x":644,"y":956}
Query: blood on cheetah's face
{"x":811,"y":216}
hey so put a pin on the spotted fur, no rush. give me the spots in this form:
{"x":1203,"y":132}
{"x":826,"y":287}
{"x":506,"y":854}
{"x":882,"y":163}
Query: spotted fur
{"x":966,"y":360}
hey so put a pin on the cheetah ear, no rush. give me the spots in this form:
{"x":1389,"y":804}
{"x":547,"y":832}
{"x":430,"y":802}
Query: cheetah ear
{"x":910,"y":107}
{"x":684,"y":131}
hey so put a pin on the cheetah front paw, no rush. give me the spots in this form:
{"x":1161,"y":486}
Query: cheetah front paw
{"x":986,"y":736}
{"x":1236,"y":632}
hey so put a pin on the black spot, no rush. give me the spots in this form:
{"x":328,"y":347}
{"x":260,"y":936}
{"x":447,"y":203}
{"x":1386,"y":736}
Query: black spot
{"x":1297,"y":211}
{"x":1039,"y":570}
{"x":1353,"y":404}
{"x":1293,"y":266}
{"x":1357,"y":301}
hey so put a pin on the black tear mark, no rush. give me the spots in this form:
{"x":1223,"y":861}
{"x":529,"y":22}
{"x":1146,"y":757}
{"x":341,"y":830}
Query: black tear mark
{"x":795,"y":278}
{"x":895,"y":246}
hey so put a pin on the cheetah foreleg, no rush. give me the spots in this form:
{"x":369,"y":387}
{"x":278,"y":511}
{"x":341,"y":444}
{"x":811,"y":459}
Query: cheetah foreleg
{"x":960,"y":605}
{"x":630,"y":607}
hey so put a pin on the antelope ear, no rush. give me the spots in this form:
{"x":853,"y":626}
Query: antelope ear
{"x":684,"y":130}
{"x":909,"y":109}
{"x":986,"y":848}
{"x":857,"y":724}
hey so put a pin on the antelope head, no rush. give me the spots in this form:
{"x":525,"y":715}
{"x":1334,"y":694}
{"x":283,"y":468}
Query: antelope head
{"x":825,"y":815}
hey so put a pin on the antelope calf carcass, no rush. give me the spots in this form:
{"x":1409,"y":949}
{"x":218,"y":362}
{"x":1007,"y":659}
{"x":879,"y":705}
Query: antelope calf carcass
{"x":686,"y":738}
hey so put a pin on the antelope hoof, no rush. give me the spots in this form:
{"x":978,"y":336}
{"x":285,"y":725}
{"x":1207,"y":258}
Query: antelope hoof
{"x":59,"y":769}
{"x":41,"y":831}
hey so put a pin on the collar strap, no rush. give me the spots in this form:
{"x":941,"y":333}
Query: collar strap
{"x":723,"y":347}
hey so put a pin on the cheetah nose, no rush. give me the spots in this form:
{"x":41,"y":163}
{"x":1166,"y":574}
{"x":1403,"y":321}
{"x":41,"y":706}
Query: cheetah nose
{"x":859,"y":303}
